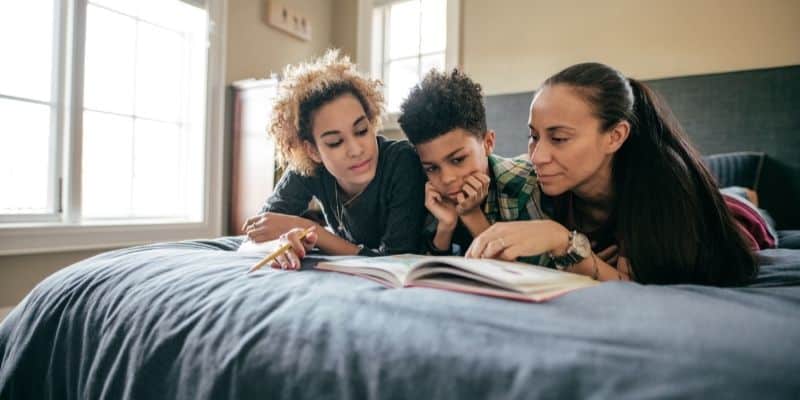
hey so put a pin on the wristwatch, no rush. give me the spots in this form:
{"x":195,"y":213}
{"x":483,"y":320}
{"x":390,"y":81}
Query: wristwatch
{"x":579,"y":248}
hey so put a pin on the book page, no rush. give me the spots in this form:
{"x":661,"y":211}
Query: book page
{"x":393,"y":269}
{"x":501,"y":273}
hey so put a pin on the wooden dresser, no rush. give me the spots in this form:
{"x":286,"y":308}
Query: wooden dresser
{"x":253,"y":152}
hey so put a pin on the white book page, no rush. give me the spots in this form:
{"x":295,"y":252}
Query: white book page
{"x":503,"y":272}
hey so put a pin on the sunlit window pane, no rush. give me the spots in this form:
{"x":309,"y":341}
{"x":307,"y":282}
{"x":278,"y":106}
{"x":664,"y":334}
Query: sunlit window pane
{"x":129,"y":7}
{"x":433,"y":61}
{"x":24,"y":157}
{"x":110,"y":61}
{"x":404,"y":34}
{"x":26,"y":48}
{"x":160,"y":59}
{"x":402,"y":76}
{"x":160,"y":156}
{"x":107,"y":165}
{"x":434,"y":25}
{"x":158,"y":190}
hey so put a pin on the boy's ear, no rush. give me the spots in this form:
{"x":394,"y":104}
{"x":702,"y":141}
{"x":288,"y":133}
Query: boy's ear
{"x":617,"y":136}
{"x":488,"y":141}
{"x":312,"y":151}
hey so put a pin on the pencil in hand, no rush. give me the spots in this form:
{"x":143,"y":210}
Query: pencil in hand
{"x":284,"y":247}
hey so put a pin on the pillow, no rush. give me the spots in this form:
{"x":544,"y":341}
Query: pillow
{"x":741,"y":169}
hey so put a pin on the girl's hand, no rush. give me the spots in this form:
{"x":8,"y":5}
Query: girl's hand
{"x":473,"y":193}
{"x":290,"y":259}
{"x":441,"y":208}
{"x":509,"y":240}
{"x":269,"y":225}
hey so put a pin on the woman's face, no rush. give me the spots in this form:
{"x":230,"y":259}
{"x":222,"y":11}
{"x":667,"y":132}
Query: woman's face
{"x":345,"y":143}
{"x":566,"y":145}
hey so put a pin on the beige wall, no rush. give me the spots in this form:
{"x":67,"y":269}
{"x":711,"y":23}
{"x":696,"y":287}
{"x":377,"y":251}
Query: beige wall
{"x":344,"y":26}
{"x":256,"y":49}
{"x":512,"y":45}
{"x":19,"y":274}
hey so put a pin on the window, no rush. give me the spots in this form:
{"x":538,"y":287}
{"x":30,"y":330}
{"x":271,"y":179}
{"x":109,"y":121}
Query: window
{"x":408,"y":39}
{"x":106,"y":121}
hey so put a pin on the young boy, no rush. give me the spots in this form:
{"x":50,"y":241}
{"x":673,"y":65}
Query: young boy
{"x":468,"y":187}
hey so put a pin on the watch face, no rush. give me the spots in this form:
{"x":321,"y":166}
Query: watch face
{"x":582,"y":245}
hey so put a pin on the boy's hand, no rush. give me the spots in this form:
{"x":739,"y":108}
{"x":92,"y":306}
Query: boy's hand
{"x":442,"y":208}
{"x":473,"y":193}
{"x":269,"y":226}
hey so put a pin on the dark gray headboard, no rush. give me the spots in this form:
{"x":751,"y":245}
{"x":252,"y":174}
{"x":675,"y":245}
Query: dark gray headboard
{"x":756,"y":110}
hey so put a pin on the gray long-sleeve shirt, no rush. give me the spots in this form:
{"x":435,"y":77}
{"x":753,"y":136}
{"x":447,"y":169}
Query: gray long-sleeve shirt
{"x":387,"y":217}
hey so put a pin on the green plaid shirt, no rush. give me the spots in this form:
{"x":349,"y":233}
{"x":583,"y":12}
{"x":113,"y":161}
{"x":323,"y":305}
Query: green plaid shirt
{"x":514,"y":195}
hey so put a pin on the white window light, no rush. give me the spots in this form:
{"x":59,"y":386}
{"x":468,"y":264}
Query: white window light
{"x":110,"y":123}
{"x":404,"y":40}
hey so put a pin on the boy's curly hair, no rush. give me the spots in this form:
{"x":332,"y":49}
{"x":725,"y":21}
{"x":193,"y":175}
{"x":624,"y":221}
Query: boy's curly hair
{"x":306,"y":87}
{"x":440,"y":103}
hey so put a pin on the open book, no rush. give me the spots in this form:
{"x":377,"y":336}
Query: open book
{"x":480,"y":276}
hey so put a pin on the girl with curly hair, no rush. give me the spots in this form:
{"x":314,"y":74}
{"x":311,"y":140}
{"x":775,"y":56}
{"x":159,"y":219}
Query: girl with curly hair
{"x":371,"y":189}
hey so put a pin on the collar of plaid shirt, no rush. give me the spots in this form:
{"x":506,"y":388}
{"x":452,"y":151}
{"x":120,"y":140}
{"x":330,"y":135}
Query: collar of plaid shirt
{"x":513,"y":186}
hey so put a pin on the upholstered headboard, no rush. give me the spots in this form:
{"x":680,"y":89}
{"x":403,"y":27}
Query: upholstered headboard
{"x":750,"y":111}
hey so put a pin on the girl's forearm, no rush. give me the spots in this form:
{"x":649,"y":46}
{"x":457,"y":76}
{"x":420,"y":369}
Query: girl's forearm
{"x":334,"y":245}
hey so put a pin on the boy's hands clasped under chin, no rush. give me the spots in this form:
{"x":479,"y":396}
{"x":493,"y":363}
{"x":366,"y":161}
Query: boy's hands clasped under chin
{"x":473,"y":192}
{"x":447,"y":211}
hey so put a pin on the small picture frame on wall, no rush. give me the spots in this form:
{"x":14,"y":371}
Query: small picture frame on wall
{"x":286,"y":19}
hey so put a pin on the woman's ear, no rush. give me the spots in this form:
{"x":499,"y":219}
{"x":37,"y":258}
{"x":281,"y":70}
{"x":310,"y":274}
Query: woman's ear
{"x":617,"y":137}
{"x":312,"y":151}
{"x":488,"y":141}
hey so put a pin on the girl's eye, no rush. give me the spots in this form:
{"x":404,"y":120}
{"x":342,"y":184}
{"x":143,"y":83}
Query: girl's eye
{"x":456,"y":161}
{"x":431,"y":169}
{"x":559,"y":140}
{"x":362,"y":132}
{"x":334,"y":144}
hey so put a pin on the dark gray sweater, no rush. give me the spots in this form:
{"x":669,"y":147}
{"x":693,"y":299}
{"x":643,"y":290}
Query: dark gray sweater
{"x":386,"y":218}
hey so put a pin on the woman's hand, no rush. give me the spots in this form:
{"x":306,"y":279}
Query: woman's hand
{"x":269,"y":225}
{"x":610,"y":255}
{"x":290,"y":259}
{"x":441,"y":208}
{"x":509,"y":240}
{"x":473,"y":192}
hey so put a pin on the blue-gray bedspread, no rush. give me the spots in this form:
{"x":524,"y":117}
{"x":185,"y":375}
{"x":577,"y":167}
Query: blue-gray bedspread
{"x":184,"y":321}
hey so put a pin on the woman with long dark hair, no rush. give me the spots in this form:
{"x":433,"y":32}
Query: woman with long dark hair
{"x":623,"y":178}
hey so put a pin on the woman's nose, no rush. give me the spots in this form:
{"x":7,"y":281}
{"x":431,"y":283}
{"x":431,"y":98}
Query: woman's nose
{"x":539,"y":153}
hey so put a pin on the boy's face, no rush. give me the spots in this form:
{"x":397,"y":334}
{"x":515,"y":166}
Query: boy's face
{"x":450,"y":158}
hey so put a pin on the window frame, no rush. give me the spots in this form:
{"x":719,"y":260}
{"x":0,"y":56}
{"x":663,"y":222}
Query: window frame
{"x":66,"y":231}
{"x":366,"y":44}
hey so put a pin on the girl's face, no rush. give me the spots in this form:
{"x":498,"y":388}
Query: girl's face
{"x":567,"y":146}
{"x":345,"y":143}
{"x":450,"y":158}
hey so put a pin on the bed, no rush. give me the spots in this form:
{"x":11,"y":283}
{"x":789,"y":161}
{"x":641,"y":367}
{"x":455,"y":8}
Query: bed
{"x":185,"y":321}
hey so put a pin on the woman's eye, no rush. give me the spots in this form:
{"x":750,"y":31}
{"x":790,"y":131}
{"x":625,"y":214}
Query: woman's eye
{"x":533,"y":138}
{"x":362,"y":132}
{"x":431,"y":169}
{"x":559,"y":139}
{"x":334,"y":144}
{"x":458,"y":160}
